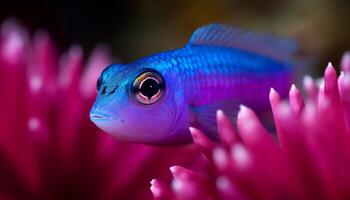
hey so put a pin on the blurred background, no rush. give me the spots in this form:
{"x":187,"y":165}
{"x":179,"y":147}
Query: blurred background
{"x":135,"y":28}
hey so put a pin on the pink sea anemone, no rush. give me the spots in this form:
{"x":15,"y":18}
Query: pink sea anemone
{"x":49,"y":149}
{"x":310,"y":159}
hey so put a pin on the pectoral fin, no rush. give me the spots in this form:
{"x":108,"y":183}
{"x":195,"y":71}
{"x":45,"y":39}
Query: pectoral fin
{"x":204,"y":117}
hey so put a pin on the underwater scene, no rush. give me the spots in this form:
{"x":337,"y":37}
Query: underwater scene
{"x":175,"y":100}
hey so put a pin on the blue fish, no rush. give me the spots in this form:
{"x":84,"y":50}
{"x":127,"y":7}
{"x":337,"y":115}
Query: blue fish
{"x":155,"y":100}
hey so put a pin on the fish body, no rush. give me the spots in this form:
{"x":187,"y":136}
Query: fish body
{"x":156,"y":99}
{"x":209,"y":74}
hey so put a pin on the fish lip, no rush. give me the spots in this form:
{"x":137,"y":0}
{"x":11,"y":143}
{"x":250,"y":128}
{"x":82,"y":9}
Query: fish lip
{"x":100,"y":117}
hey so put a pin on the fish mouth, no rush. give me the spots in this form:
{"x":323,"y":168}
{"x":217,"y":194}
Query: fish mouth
{"x":94,"y":117}
{"x":105,"y":121}
{"x":99,"y":117}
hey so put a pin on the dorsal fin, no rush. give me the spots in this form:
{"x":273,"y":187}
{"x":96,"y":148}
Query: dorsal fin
{"x":232,"y":37}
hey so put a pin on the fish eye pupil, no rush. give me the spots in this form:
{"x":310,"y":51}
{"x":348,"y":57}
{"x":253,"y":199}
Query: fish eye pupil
{"x":149,"y":88}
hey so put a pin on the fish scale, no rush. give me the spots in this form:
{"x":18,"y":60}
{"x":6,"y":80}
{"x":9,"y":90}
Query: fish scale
{"x":214,"y":73}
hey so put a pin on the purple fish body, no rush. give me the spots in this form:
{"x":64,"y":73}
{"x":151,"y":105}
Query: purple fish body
{"x":156,"y":99}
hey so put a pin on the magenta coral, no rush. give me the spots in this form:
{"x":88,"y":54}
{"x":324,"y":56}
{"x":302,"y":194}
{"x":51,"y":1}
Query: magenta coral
{"x":310,"y":159}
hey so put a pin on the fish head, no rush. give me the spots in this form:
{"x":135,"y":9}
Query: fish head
{"x":138,"y":103}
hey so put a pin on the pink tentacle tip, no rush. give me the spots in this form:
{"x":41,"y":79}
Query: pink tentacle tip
{"x":74,"y":55}
{"x":241,"y":157}
{"x":274,"y":96}
{"x":310,"y":88}
{"x":177,"y":171}
{"x":13,"y":46}
{"x":156,"y":191}
{"x":200,"y":139}
{"x":195,"y":133}
{"x":344,"y":85}
{"x":154,"y":182}
{"x":220,"y":114}
{"x":243,"y":109}
{"x":295,"y":99}
{"x":220,"y":158}
{"x":226,"y":131}
{"x":308,"y":82}
{"x":183,"y":174}
{"x":223,"y":184}
{"x":246,"y":119}
{"x":275,"y":99}
{"x":345,"y":77}
{"x":293,"y":88}
{"x":345,"y":61}
{"x":330,"y":77}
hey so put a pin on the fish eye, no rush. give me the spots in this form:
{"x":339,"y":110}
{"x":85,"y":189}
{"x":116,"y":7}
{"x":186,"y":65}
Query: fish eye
{"x":148,"y":87}
{"x":100,"y":78}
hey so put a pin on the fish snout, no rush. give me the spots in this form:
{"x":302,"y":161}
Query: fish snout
{"x":98,"y":114}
